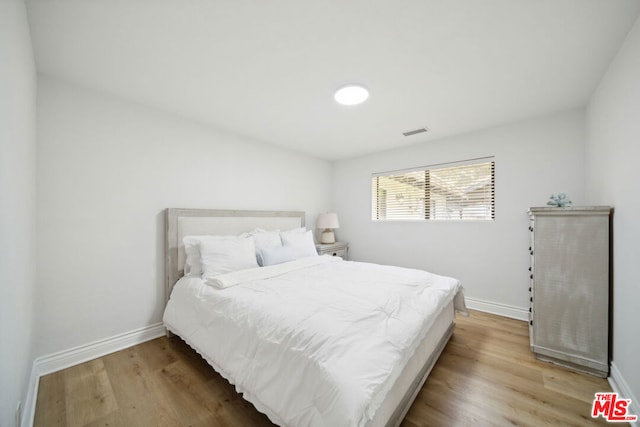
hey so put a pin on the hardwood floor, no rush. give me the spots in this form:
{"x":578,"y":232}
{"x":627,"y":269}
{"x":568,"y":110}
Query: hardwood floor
{"x":486,"y":376}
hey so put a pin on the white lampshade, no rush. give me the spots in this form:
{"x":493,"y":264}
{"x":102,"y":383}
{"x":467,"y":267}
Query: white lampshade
{"x":327,"y":220}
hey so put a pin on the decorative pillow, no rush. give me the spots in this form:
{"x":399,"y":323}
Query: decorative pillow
{"x":301,"y":243}
{"x":275,"y":255}
{"x":219,"y":256}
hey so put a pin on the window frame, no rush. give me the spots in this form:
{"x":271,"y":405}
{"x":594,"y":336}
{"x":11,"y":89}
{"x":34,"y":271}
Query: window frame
{"x":430,"y":191}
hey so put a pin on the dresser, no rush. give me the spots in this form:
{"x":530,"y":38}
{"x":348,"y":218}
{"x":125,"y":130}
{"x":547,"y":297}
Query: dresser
{"x":340,"y":249}
{"x":569,"y":286}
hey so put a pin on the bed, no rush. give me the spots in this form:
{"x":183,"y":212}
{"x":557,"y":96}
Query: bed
{"x":311,"y":341}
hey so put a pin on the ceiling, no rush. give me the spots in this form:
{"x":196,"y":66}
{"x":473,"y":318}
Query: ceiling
{"x":268,"y":69}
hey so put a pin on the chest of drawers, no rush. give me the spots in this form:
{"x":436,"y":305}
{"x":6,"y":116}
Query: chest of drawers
{"x":569,"y":285}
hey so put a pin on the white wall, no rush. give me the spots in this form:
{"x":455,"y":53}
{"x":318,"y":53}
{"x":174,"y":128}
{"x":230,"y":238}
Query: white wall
{"x":533,"y":159}
{"x":17,"y":206}
{"x":106,"y":171}
{"x":613,"y":155}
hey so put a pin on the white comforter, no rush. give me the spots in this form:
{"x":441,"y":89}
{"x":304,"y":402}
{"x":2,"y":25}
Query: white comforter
{"x":313,"y":342}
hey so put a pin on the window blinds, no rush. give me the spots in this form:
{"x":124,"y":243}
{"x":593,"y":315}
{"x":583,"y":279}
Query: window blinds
{"x":460,"y":191}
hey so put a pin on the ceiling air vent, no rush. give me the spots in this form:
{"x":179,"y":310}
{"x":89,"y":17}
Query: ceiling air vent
{"x":415,"y":132}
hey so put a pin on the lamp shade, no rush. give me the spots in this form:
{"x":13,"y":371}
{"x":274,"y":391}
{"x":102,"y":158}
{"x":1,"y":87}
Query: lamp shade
{"x":327,"y":220}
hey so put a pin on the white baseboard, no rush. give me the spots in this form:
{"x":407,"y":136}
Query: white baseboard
{"x":620,"y":386}
{"x":74,"y":356}
{"x":510,"y":311}
{"x":63,"y":359}
{"x":29,"y":407}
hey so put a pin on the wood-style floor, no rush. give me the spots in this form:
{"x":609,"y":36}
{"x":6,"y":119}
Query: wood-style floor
{"x":486,"y":376}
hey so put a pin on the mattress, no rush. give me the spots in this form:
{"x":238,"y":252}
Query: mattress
{"x":317,"y":341}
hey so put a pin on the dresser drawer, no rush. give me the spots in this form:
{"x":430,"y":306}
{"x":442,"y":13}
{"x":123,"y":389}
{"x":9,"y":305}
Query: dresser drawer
{"x":340,"y":249}
{"x":342,"y":253}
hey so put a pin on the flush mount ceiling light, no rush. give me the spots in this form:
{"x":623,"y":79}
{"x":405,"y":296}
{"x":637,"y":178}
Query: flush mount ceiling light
{"x":351,"y":95}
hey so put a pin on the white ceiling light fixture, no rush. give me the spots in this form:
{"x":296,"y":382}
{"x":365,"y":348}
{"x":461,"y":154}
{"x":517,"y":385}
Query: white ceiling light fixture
{"x":351,"y":95}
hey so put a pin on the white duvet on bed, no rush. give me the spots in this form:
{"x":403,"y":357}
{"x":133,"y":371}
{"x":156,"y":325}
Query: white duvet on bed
{"x":313,"y":342}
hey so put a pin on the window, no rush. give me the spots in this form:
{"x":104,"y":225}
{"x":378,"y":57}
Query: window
{"x":452,"y":191}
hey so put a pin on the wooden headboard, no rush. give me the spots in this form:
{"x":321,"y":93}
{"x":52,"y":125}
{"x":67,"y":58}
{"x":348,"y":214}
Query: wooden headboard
{"x":190,"y":222}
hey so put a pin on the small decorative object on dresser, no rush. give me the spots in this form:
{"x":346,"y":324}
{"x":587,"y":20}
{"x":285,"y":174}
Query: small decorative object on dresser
{"x":569,"y":285}
{"x":559,"y":200}
{"x":340,"y":249}
{"x":327,"y":222}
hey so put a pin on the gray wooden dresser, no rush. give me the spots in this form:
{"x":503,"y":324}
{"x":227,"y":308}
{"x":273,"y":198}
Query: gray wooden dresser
{"x":569,"y":272}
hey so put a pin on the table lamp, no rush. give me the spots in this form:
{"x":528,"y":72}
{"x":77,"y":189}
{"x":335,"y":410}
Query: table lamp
{"x":327,"y":222}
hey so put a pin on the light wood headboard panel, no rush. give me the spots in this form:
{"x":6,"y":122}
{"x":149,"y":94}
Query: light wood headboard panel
{"x":189,"y":222}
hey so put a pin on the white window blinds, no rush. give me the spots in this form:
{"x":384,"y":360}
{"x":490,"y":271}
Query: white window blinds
{"x":454,"y":191}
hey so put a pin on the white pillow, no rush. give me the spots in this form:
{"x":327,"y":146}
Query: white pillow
{"x":219,"y":256}
{"x":275,"y":255}
{"x":295,"y":230}
{"x":265,"y":240}
{"x":301,"y":243}
{"x":192,"y":251}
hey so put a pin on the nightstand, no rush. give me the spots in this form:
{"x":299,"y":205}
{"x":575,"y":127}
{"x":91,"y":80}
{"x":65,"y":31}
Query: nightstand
{"x":340,"y":249}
